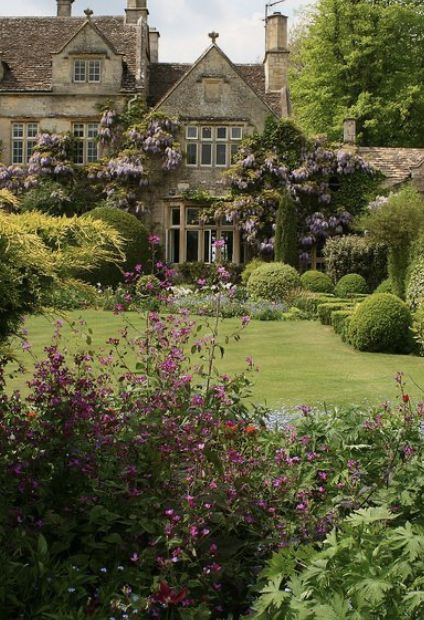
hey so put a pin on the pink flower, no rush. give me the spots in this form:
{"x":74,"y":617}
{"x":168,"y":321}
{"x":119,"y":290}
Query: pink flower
{"x":154,"y":240}
{"x":219,"y":244}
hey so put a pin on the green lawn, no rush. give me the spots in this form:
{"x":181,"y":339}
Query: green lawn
{"x":300,"y":362}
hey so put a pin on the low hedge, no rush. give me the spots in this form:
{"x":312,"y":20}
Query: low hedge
{"x":308,"y":302}
{"x":326,"y":310}
{"x":381,"y":324}
{"x":340,"y":320}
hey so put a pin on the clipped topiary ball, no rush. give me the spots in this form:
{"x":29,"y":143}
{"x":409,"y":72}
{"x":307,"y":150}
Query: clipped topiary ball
{"x":317,"y":282}
{"x":384,"y":287}
{"x":381,"y":324}
{"x":273,"y":281}
{"x":136,"y":246}
{"x":250,"y":268}
{"x":352,"y":284}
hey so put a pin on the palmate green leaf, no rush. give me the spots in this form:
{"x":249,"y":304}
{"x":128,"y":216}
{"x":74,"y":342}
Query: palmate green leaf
{"x":406,"y":539}
{"x":336,"y":609}
{"x":366,"y":516}
{"x":414,"y":600}
{"x":282,"y":564}
{"x":372,"y":589}
{"x":271,"y":596}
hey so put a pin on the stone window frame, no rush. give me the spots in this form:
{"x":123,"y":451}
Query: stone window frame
{"x":231,"y":142}
{"x":24,"y":141}
{"x":86,"y":75}
{"x":179,"y":226}
{"x":88,"y":139}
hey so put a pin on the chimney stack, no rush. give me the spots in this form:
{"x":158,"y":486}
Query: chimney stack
{"x":154,"y":44}
{"x":276,"y":59}
{"x":135,"y":10}
{"x":64,"y":8}
{"x":349,"y":131}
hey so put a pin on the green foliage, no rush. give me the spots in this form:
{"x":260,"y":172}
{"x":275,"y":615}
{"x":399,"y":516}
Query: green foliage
{"x":249,"y":269}
{"x":384,"y":287}
{"x":136,"y":249}
{"x":190,"y":273}
{"x":286,"y":244}
{"x":415,"y":286}
{"x":325,"y":311}
{"x":397,"y":223}
{"x":283,"y":137}
{"x":8,"y":201}
{"x":148,"y":286}
{"x":354,"y":254}
{"x":418,"y":328}
{"x":381,"y":324}
{"x":70,"y":295}
{"x":340,"y":321}
{"x":308,"y":302}
{"x":273,"y":281}
{"x":361,"y":59}
{"x":351,"y":284}
{"x":317,"y":282}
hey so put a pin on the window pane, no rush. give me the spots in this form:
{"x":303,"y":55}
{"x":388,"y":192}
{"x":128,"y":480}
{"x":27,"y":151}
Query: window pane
{"x":30,"y":147}
{"x":79,"y":71}
{"x":227,"y":251}
{"x":193,"y":215}
{"x":92,"y":130}
{"x":209,"y":250}
{"x":174,"y":246}
{"x":206,"y":154}
{"x":94,"y":71}
{"x":221,"y":133}
{"x":236,"y":133}
{"x":191,"y":154}
{"x":18,"y":152}
{"x":234,"y":151}
{"x":79,"y":153}
{"x":92,"y":151}
{"x":192,"y":133}
{"x":18,"y":130}
{"x":78,"y":130}
{"x":221,"y":154}
{"x":32,"y":130}
{"x":192,"y":246}
{"x":175,"y":216}
{"x":206,"y":133}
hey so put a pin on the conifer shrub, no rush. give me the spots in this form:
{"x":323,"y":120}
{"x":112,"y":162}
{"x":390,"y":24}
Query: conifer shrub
{"x":317,"y":282}
{"x":351,"y":284}
{"x":273,"y":281}
{"x":381,"y":324}
{"x":136,"y":248}
{"x":286,"y":246}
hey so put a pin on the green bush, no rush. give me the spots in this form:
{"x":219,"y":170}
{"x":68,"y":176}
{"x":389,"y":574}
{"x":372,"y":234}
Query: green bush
{"x":418,"y":329}
{"x":385,"y":286}
{"x":273,"y":281}
{"x":135,"y":247}
{"x":415,"y":286}
{"x":340,"y":320}
{"x":250,"y":268}
{"x":190,"y":273}
{"x":53,"y":198}
{"x":317,"y":282}
{"x":326,"y":310}
{"x":354,"y":254}
{"x":351,"y":284}
{"x":381,"y":324}
{"x":286,"y":245}
{"x":308,"y":302}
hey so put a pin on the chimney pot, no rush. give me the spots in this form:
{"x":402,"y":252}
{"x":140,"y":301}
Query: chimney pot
{"x":64,"y":8}
{"x":276,"y":59}
{"x":135,"y":10}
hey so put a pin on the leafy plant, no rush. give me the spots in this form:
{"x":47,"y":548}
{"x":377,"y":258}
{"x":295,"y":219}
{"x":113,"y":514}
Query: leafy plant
{"x":317,"y":282}
{"x":286,"y":232}
{"x":355,"y":254}
{"x":273,"y":281}
{"x":351,"y":284}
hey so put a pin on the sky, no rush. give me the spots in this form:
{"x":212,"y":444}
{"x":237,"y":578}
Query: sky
{"x":185,"y":24}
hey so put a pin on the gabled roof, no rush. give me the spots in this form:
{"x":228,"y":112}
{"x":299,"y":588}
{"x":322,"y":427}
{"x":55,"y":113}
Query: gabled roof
{"x":27,"y":45}
{"x":395,"y":163}
{"x":88,"y":23}
{"x":165,"y":77}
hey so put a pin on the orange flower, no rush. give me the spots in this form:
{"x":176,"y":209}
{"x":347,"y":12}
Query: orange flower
{"x":405,"y":398}
{"x":231,"y":426}
{"x":250,"y":429}
{"x":32,"y":415}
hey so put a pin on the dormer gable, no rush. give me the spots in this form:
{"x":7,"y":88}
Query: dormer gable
{"x":87,"y":63}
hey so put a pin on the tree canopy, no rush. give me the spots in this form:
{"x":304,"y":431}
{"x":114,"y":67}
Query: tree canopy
{"x":361,"y":58}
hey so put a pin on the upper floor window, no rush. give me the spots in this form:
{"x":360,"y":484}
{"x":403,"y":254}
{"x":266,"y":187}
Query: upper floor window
{"x":86,"y":144}
{"x":87,"y":70}
{"x":212,"y":146}
{"x":24,"y":139}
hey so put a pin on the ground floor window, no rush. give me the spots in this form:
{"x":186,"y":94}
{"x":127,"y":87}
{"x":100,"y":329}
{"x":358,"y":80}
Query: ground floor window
{"x":24,"y":139}
{"x":191,"y":238}
{"x":86,"y":148}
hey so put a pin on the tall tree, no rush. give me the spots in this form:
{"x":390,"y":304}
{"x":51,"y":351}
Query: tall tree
{"x":286,"y":233}
{"x":362,"y":58}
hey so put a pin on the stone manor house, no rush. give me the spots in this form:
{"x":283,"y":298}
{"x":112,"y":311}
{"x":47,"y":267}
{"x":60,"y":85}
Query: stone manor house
{"x":55,"y":73}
